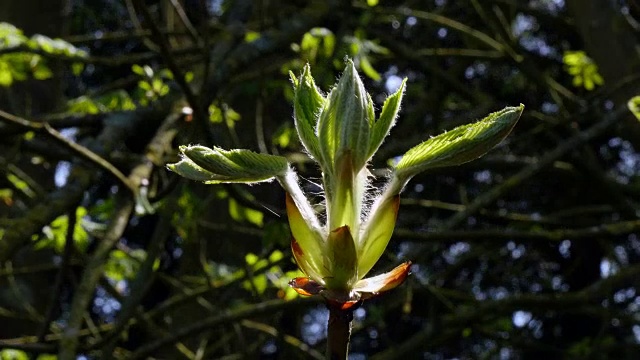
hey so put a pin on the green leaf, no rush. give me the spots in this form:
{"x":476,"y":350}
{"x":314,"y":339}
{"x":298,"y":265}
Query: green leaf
{"x":307,"y":245}
{"x":83,"y":105}
{"x":307,"y":105}
{"x":368,"y":69}
{"x":241,"y":213}
{"x":387,"y":119}
{"x":188,"y":76}
{"x":284,"y":136}
{"x":12,"y":354}
{"x":190,"y":170}
{"x":583,"y":69}
{"x":343,"y":126}
{"x":137,"y":69}
{"x":251,"y":36}
{"x":377,"y":233}
{"x":343,"y":260}
{"x":634,"y":106}
{"x":56,"y":233}
{"x":460,"y":145}
{"x":121,"y":266}
{"x":77,"y":68}
{"x":234,"y":166}
{"x":6,"y":78}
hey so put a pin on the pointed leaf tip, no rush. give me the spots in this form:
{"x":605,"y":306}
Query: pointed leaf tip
{"x":306,"y":244}
{"x":388,"y":115}
{"x":215,"y":165}
{"x":460,"y":145}
{"x":384,"y":282}
{"x":307,"y":105}
{"x":305,"y":286}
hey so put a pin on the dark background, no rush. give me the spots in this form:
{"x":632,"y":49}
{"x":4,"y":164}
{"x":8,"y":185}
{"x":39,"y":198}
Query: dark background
{"x":530,"y":252}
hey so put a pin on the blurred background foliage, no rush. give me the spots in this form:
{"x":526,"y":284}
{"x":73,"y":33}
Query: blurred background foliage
{"x":532,"y":251}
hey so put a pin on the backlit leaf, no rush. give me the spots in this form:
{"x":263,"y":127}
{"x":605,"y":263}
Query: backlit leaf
{"x":460,"y":145}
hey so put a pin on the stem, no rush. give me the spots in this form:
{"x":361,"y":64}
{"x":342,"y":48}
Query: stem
{"x":338,"y":331}
{"x":289,"y":181}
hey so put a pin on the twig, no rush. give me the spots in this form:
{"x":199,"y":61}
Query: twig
{"x":59,"y":282}
{"x":247,"y":311}
{"x":338,"y":331}
{"x":291,"y":340}
{"x":591,"y":232}
{"x":515,"y":180}
{"x":165,"y":50}
{"x":75,"y":147}
{"x":90,"y":277}
{"x":482,"y":311}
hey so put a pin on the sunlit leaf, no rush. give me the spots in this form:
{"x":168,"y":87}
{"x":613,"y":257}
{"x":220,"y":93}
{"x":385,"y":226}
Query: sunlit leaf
{"x":460,"y":145}
{"x":307,"y":245}
{"x":234,"y":166}
{"x":21,"y":185}
{"x":377,"y":233}
{"x":6,"y":78}
{"x":122,"y":266}
{"x":344,"y":124}
{"x":583,"y":69}
{"x":343,"y":259}
{"x":634,"y":106}
{"x":368,"y":69}
{"x":388,"y":115}
{"x":307,"y":105}
{"x":384,"y":282}
{"x":251,"y":36}
{"x":12,"y":354}
{"x":241,"y":213}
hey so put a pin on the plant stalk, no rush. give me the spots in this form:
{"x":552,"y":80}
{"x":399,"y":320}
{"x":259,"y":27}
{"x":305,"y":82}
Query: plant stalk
{"x":339,"y":331}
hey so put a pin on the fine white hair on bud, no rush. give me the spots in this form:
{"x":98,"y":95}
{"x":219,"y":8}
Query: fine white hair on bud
{"x":338,"y":239}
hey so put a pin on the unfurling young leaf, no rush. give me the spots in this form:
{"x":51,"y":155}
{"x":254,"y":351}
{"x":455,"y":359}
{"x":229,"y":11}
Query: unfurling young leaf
{"x":460,"y":145}
{"x":344,"y":124}
{"x":306,"y":107}
{"x":634,"y":106}
{"x":235,"y":166}
{"x":340,"y":132}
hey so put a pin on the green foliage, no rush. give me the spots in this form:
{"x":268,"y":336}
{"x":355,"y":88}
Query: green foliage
{"x":118,"y":100}
{"x":124,"y":265}
{"x":22,"y":64}
{"x":460,"y":145}
{"x":273,"y":277}
{"x":284,"y":136}
{"x":21,"y":185}
{"x":6,"y":196}
{"x":634,"y":106}
{"x":583,"y":69}
{"x":340,"y":132}
{"x":244,"y":214}
{"x":307,"y":104}
{"x":55,"y":234}
{"x":362,"y":49}
{"x":251,"y":36}
{"x":217,"y":165}
{"x":13,"y":354}
{"x":152,"y":85}
{"x":225,"y":115}
{"x":317,"y":43}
